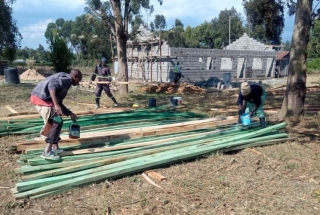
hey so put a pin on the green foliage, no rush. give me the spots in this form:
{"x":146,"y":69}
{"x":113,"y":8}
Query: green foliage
{"x":314,"y":42}
{"x":287,"y":45}
{"x":313,"y":65}
{"x":22,"y":64}
{"x":265,"y":19}
{"x":39,"y":54}
{"x":160,"y":22}
{"x":61,"y":56}
{"x":213,"y":34}
{"x":9,"y":33}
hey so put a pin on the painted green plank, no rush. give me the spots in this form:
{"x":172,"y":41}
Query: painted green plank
{"x":37,"y":183}
{"x":147,"y":162}
{"x":85,"y":156}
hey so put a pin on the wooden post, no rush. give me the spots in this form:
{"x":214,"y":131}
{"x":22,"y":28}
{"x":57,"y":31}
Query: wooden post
{"x":160,"y":57}
{"x":151,"y":59}
{"x":111,"y":47}
{"x":131,"y":57}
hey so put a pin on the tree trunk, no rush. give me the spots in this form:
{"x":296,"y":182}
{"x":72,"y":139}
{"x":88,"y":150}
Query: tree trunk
{"x":123,"y":66}
{"x":293,"y":103}
{"x":121,"y":46}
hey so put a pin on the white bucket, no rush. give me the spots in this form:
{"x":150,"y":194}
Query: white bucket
{"x":179,"y":99}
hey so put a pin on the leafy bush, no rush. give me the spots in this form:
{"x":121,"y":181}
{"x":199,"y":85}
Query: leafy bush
{"x":60,"y":55}
{"x":313,"y":65}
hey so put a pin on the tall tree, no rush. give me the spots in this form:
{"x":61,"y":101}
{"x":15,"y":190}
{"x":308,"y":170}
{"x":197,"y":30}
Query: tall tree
{"x":287,"y":45}
{"x":10,"y":36}
{"x":221,"y":27}
{"x":160,"y":22}
{"x":293,"y":103}
{"x":117,"y":14}
{"x":51,"y":31}
{"x":61,"y":56}
{"x":314,"y":44}
{"x":175,"y":36}
{"x":265,"y":19}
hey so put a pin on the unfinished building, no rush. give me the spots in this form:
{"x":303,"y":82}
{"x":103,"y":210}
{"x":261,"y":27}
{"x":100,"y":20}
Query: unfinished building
{"x":245,"y":58}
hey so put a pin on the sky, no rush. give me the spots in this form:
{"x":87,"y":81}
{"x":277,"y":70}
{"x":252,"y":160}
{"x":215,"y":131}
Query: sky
{"x":32,"y":16}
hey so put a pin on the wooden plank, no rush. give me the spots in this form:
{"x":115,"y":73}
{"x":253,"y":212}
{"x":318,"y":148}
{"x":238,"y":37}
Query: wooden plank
{"x":155,"y":175}
{"x":121,"y":134}
{"x":162,"y":158}
{"x":70,"y":142}
{"x":11,"y":109}
{"x":96,"y":150}
{"x":22,"y":113}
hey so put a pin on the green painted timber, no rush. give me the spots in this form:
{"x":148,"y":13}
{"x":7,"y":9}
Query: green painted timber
{"x":40,"y":161}
{"x":41,"y":182}
{"x":139,"y":164}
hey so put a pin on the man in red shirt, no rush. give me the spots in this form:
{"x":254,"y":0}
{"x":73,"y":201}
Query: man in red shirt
{"x":48,"y":97}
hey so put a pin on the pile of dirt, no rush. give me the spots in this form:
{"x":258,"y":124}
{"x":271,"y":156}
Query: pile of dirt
{"x":31,"y":75}
{"x":172,"y":88}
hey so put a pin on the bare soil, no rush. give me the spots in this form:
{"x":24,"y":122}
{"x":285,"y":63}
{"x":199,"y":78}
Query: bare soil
{"x":277,"y":179}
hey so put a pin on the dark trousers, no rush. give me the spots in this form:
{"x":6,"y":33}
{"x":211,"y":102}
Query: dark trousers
{"x":177,"y":78}
{"x":53,"y":135}
{"x":104,"y":87}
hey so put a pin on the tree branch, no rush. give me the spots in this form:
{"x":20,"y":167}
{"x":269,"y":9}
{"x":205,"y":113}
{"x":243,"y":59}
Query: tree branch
{"x":126,"y":16}
{"x":114,"y":16}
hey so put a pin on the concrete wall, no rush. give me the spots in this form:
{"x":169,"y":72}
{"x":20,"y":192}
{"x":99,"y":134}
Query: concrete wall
{"x":199,"y":64}
{"x":244,"y":58}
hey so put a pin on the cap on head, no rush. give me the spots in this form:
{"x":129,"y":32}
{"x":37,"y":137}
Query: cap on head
{"x":245,"y":89}
{"x":103,"y":60}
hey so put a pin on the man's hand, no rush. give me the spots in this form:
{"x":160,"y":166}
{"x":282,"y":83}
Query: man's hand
{"x":58,"y":109}
{"x":73,"y":117}
{"x":250,"y":114}
{"x":90,"y":82}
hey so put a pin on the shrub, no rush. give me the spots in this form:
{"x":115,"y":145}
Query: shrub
{"x":61,"y":56}
{"x":313,"y":65}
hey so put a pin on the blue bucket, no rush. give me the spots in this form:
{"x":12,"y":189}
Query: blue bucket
{"x":152,"y":102}
{"x":245,"y":119}
{"x":173,"y":102}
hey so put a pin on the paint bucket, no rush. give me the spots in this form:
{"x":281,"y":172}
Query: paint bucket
{"x":173,"y":102}
{"x":245,"y":119}
{"x":74,"y":131}
{"x":179,"y":99}
{"x":152,"y":102}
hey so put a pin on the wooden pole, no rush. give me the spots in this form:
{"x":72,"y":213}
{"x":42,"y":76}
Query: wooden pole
{"x":151,"y":59}
{"x":131,"y":58}
{"x":111,"y":47}
{"x":160,"y":57}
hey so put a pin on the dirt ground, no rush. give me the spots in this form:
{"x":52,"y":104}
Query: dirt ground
{"x":277,"y":179}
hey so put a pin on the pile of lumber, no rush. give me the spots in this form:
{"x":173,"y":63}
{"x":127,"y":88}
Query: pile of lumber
{"x":131,"y":148}
{"x":281,"y":91}
{"x":97,"y":121}
{"x":309,"y":109}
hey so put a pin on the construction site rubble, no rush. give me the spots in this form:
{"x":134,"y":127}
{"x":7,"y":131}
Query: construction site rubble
{"x":172,"y":88}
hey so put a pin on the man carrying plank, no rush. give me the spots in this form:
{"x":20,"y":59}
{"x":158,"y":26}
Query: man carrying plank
{"x":255,"y":97}
{"x":47,"y":97}
{"x":104,"y":74}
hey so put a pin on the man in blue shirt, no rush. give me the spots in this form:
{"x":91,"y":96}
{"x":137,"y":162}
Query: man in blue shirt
{"x":255,"y":97}
{"x":48,"y":98}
